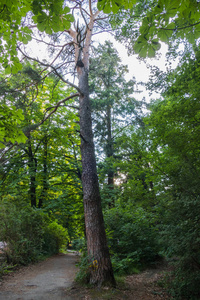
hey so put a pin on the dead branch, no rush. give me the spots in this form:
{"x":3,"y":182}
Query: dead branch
{"x":56,"y":107}
{"x":54,"y":69}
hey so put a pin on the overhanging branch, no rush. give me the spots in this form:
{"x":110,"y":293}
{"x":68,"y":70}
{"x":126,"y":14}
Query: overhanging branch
{"x":56,"y":107}
{"x":180,"y":28}
{"x":53,"y":68}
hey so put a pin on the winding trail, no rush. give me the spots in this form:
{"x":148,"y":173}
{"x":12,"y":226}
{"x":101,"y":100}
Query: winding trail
{"x":49,"y":279}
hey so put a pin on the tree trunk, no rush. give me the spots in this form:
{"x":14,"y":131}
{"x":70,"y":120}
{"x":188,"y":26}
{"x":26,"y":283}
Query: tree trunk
{"x":99,"y":258}
{"x":32,"y":164}
{"x":100,"y":266}
{"x":109,"y":154}
{"x":43,"y":194}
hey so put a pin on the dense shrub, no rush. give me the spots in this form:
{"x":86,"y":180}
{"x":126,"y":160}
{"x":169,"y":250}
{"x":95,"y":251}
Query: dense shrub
{"x":132,"y":238}
{"x":55,"y":238}
{"x":182,"y":240}
{"x":79,"y":244}
{"x":185,"y":280}
{"x":29,"y":233}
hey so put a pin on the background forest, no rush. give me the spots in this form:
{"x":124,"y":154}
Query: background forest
{"x":147,"y":152}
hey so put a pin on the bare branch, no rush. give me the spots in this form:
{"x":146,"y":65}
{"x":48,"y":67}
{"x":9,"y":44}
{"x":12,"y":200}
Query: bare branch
{"x":85,"y":11}
{"x":96,"y":14}
{"x":54,"y":69}
{"x":57,"y":105}
{"x":49,"y":44}
{"x":70,"y":106}
{"x":82,"y":14}
{"x":179,"y":28}
{"x":6,"y":151}
{"x":90,"y":7}
{"x":101,"y":18}
{"x":32,"y":26}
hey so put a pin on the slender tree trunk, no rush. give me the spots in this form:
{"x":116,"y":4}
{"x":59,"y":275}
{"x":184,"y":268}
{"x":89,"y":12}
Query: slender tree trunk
{"x":109,"y":154}
{"x":32,"y":164}
{"x":45,"y":174}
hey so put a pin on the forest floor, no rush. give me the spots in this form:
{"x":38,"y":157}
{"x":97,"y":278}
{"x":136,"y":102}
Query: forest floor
{"x":53,"y":279}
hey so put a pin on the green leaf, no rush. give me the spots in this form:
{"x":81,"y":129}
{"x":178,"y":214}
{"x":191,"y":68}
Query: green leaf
{"x":129,"y":3}
{"x":48,"y":30}
{"x":66,"y":23}
{"x":163,"y":35}
{"x":56,"y":26}
{"x":171,"y":26}
{"x":107,"y":9}
{"x":137,"y":47}
{"x":25,"y":35}
{"x":8,"y":70}
{"x":41,"y":26}
{"x":114,"y":5}
{"x":143,"y":51}
{"x":66,"y":10}
{"x":172,"y":7}
{"x":151,"y":51}
{"x":155,"y":44}
{"x":101,"y":4}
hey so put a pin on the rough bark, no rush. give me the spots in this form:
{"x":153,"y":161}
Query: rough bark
{"x":100,"y":266}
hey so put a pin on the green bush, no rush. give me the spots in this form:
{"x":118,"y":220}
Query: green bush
{"x":83,"y":274}
{"x":185,"y":280}
{"x":29,"y":234}
{"x":132,"y":239}
{"x":181,"y":235}
{"x":79,"y":244}
{"x":5,"y":268}
{"x":22,"y":230}
{"x":55,"y":238}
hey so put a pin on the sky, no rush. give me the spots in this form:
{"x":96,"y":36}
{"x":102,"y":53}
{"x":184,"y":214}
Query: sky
{"x":137,"y":68}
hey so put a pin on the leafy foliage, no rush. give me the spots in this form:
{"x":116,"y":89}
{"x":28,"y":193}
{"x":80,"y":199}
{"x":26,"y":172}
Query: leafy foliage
{"x":160,"y":21}
{"x":155,"y":162}
{"x":132,"y":238}
{"x":174,"y":124}
{"x":114,"y":5}
{"x":29,"y":233}
{"x":113,"y":109}
{"x":16,"y":17}
{"x":46,"y":169}
{"x":10,"y":118}
{"x":55,"y":238}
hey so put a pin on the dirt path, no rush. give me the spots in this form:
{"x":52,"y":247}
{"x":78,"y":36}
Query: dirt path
{"x":53,"y":280}
{"x":46,"y":280}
